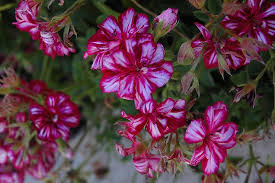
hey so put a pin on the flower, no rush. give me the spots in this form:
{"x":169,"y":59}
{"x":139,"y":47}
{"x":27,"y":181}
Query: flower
{"x":167,"y":19}
{"x":20,"y":158}
{"x":159,"y":119}
{"x":115,"y":34}
{"x":229,"y":48}
{"x":25,"y":15}
{"x":147,"y":164}
{"x":130,"y":150}
{"x":136,"y":77}
{"x":216,"y":136}
{"x":8,"y":175}
{"x":50,"y":41}
{"x":256,"y":20}
{"x":42,"y":161}
{"x":3,"y":125}
{"x":54,"y":120}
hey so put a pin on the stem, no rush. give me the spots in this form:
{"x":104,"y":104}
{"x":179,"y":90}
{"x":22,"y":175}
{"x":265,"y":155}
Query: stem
{"x":44,"y":67}
{"x":77,"y":4}
{"x":155,"y":15}
{"x":7,"y":6}
{"x":262,"y":72}
{"x":104,"y":9}
{"x":267,"y":164}
{"x":250,"y":163}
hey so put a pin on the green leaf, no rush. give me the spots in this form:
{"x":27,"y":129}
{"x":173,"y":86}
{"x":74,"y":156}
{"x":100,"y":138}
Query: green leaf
{"x":239,"y":78}
{"x":201,"y":16}
{"x":214,"y":6}
{"x":128,"y":106}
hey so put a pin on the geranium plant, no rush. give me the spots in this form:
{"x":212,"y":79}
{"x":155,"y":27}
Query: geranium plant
{"x":182,"y":77}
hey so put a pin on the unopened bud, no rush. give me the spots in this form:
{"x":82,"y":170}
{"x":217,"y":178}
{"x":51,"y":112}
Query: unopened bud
{"x":21,"y":117}
{"x":252,"y":47}
{"x":189,"y":82}
{"x":165,"y":22}
{"x":186,"y":53}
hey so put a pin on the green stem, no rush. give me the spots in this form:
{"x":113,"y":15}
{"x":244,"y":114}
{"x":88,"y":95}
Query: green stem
{"x":262,"y":72}
{"x":44,"y":67}
{"x":250,"y":163}
{"x":267,"y":173}
{"x":7,"y":6}
{"x":104,"y":9}
{"x":77,"y":4}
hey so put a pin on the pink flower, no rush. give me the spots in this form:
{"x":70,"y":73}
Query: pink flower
{"x":216,"y":136}
{"x":115,"y":34}
{"x":256,"y":20}
{"x":3,"y":125}
{"x":229,"y":48}
{"x":130,"y":150}
{"x":147,"y":164}
{"x":4,"y":155}
{"x":42,"y":161}
{"x":159,"y":119}
{"x":8,"y":175}
{"x":50,"y":42}
{"x":136,"y":77}
{"x":168,"y":18}
{"x":56,"y":118}
{"x":26,"y":13}
{"x":20,"y":159}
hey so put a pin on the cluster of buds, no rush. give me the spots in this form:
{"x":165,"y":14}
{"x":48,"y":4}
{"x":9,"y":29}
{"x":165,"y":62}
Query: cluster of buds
{"x":34,"y":123}
{"x":44,"y":31}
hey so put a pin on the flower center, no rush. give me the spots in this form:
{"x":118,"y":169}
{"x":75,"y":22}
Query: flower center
{"x":55,"y":118}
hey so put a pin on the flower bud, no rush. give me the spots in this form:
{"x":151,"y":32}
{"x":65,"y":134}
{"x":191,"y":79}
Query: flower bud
{"x":252,"y":47}
{"x":21,"y":117}
{"x":197,"y":3}
{"x":189,"y":82}
{"x":165,"y":22}
{"x":247,"y":92}
{"x":186,"y":53}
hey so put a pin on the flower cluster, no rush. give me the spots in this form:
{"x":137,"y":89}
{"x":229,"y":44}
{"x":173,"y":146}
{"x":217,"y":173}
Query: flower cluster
{"x":256,"y":20}
{"x":133,"y":67}
{"x":249,"y":30}
{"x":33,"y":119}
{"x":46,"y":32}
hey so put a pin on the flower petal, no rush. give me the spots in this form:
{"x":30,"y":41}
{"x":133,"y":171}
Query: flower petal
{"x":225,"y":136}
{"x":215,"y":115}
{"x":142,"y":23}
{"x":109,"y":82}
{"x":166,"y":106}
{"x":204,"y":31}
{"x":198,"y":155}
{"x":160,"y":74}
{"x":195,"y":132}
{"x":111,"y":27}
{"x":210,"y":164}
